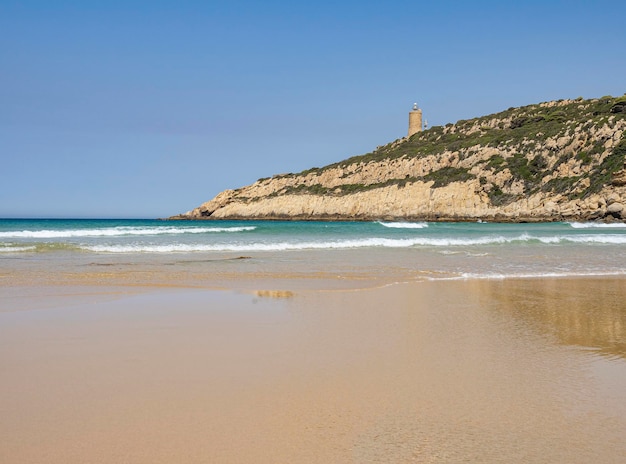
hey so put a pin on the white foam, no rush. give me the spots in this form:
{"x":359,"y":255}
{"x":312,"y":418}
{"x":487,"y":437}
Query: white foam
{"x":603,"y":239}
{"x":597,"y":225}
{"x":613,"y":239}
{"x":536,"y":275}
{"x":15,"y":248}
{"x":445,"y":244}
{"x":272,"y":246}
{"x":548,"y":240}
{"x":404,"y":225}
{"x":374,"y":242}
{"x":121,"y":231}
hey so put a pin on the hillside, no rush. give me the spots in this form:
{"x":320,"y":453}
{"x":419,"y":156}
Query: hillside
{"x":559,"y":160}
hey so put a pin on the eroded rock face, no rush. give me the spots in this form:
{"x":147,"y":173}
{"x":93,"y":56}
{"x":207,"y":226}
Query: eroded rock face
{"x":569,"y":174}
{"x":619,"y":178}
{"x":456,"y":201}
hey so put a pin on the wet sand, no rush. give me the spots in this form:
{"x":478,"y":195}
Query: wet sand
{"x":529,"y":371}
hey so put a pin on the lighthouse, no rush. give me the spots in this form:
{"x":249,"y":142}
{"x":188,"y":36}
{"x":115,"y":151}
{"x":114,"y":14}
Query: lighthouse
{"x":415,"y":120}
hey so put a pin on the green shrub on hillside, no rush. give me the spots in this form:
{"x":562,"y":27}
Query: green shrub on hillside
{"x":560,"y":184}
{"x":499,"y":198}
{"x":447,"y":175}
{"x":609,"y":166}
{"x":517,"y":131}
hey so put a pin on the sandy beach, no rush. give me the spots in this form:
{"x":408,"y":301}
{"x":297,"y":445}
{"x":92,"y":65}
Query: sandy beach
{"x":312,"y":232}
{"x":514,"y":370}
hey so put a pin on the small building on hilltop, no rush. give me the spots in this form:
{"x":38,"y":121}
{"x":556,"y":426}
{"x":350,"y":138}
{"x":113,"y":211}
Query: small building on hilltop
{"x":415,"y":120}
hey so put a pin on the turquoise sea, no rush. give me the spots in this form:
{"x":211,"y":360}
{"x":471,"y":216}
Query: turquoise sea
{"x":431,"y":250}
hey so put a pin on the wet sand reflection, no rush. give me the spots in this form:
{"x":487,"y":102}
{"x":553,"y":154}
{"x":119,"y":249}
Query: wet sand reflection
{"x":588,"y":313}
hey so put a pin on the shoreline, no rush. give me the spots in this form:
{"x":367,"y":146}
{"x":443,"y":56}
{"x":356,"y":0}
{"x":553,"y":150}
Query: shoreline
{"x":119,"y":281}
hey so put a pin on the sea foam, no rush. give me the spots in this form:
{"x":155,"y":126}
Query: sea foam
{"x":120,"y":232}
{"x":404,"y":225}
{"x":535,"y":275}
{"x":9,"y":248}
{"x":597,"y":225}
{"x":372,"y":242}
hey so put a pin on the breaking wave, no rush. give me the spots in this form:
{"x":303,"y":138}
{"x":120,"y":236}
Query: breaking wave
{"x":404,"y":225}
{"x":11,"y":248}
{"x":597,"y":225}
{"x":354,"y":243}
{"x":121,"y":232}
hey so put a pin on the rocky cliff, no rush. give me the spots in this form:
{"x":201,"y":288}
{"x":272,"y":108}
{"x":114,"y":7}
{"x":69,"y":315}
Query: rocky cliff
{"x":560,"y":160}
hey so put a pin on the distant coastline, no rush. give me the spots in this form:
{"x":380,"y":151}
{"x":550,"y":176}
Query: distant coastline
{"x":553,"y":161}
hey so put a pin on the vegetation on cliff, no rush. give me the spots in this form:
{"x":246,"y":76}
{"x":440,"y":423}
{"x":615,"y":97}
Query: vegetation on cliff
{"x":519,"y":132}
{"x":518,"y":162}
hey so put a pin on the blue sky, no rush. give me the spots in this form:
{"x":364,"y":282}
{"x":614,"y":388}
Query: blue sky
{"x":149,"y":108}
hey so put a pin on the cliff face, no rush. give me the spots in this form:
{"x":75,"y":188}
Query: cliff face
{"x":551,"y":161}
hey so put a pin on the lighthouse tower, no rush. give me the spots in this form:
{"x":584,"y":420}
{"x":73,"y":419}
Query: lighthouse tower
{"x":415,"y":120}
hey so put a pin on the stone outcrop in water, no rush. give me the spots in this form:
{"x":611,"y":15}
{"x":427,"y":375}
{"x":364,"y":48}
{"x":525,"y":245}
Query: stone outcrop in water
{"x":550,"y":161}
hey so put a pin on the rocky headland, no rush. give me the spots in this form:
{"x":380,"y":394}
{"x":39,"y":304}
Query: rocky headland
{"x":559,"y":160}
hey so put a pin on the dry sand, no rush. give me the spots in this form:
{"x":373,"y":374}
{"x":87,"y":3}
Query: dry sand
{"x":529,"y":371}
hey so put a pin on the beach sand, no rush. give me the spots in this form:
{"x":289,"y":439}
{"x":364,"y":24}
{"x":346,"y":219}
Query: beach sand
{"x":486,"y":371}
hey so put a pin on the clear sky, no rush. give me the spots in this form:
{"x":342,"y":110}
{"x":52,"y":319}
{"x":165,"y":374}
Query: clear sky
{"x":149,"y":108}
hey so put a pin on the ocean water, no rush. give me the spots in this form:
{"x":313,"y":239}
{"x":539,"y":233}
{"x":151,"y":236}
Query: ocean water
{"x":418,"y":249}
